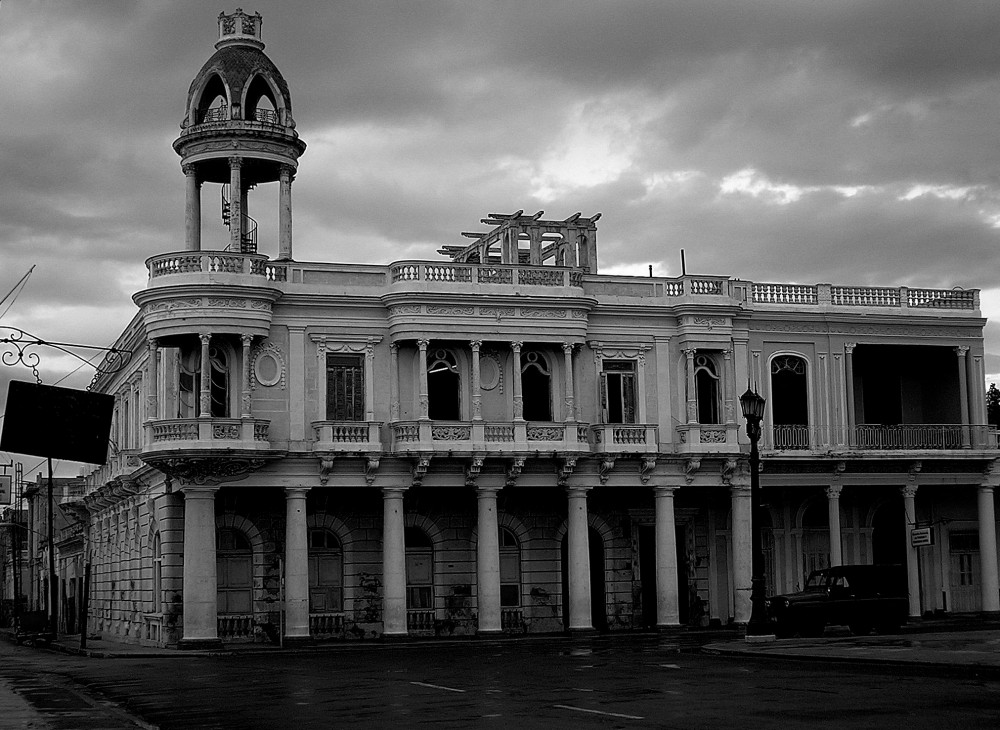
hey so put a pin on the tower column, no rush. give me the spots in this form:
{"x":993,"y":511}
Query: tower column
{"x":963,"y":387}
{"x":192,"y":209}
{"x":286,"y":176}
{"x":235,"y":204}
{"x":200,"y":576}
{"x":849,"y":391}
{"x":394,"y":382}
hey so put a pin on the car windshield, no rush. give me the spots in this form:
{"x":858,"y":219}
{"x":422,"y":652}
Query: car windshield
{"x":816,"y":580}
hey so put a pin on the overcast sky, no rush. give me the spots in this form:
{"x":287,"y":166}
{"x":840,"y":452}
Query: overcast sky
{"x":844,"y":141}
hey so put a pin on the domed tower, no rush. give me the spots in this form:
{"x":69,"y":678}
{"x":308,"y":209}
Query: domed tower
{"x":239,"y":132}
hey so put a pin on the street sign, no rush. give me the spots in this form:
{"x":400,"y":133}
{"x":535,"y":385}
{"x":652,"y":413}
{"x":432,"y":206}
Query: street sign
{"x":5,"y":488}
{"x":921,"y":537}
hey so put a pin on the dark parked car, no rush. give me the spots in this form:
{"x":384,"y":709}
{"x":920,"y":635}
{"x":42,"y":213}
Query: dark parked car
{"x":862,"y":597}
{"x":31,"y":628}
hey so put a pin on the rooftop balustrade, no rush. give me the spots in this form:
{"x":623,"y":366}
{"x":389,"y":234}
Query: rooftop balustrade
{"x":878,"y":437}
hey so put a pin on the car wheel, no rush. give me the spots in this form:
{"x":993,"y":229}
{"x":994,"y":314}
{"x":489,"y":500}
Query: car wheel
{"x":783,"y":630}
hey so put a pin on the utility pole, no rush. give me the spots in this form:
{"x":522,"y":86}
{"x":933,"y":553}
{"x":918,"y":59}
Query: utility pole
{"x":53,"y":582}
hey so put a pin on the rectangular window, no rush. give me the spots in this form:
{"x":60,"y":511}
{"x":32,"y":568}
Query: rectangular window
{"x":618,"y":399}
{"x":345,"y":388}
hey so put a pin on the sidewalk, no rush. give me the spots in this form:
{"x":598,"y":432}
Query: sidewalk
{"x":968,"y":645}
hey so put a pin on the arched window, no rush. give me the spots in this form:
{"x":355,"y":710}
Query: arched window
{"x":189,"y":382}
{"x":213,"y":106}
{"x":443,"y":386}
{"x":419,"y":569}
{"x":510,"y":569}
{"x":326,"y":572}
{"x":261,"y":105}
{"x":707,"y":387}
{"x":536,"y":387}
{"x":789,"y":402}
{"x":234,"y":566}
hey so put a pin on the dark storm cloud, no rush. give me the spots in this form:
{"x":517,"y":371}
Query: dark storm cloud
{"x":423,"y":117}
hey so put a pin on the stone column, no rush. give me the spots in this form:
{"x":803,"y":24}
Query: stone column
{"x":394,"y":382}
{"x":477,"y":390}
{"x":667,"y":597}
{"x":570,"y":399}
{"x":488,"y":562}
{"x":833,"y":510}
{"x":742,"y":536}
{"x":235,"y":205}
{"x":516,"y":386}
{"x":246,"y":399}
{"x":988,"y":551}
{"x":849,"y":390}
{"x":296,"y":566}
{"x":200,"y":579}
{"x":422,"y":370}
{"x":205,"y":402}
{"x":963,"y":389}
{"x":370,"y":381}
{"x":912,"y":569}
{"x":286,"y":174}
{"x":728,"y":386}
{"x":692,"y":392}
{"x":152,"y":380}
{"x":192,"y":209}
{"x":578,"y":555}
{"x":393,"y":564}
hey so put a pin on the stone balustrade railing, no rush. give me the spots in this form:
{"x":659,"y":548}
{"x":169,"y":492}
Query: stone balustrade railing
{"x":215,"y":262}
{"x":865,"y":296}
{"x":451,"y":273}
{"x":879,"y":437}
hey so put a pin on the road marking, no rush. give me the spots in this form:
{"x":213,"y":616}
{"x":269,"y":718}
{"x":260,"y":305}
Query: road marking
{"x":599,"y":712}
{"x":670,"y":666}
{"x":581,"y":689}
{"x":437,"y":686}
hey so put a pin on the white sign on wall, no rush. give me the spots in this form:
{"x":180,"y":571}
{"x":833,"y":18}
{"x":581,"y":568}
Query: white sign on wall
{"x":5,"y":488}
{"x":921,"y":536}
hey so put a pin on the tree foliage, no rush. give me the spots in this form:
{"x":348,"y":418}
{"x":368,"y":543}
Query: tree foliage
{"x":993,"y":405}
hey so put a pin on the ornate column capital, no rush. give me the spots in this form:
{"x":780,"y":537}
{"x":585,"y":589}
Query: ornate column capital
{"x":246,"y":339}
{"x":205,"y":337}
{"x":568,"y":347}
{"x":849,"y":347}
{"x":961,"y":350}
{"x":577,"y":491}
{"x":296,"y":492}
{"x":235,"y":162}
{"x":394,"y":348}
{"x":423,"y":344}
{"x":189,"y":170}
{"x":664,"y":490}
{"x":833,"y":491}
{"x":516,"y":345}
{"x":475,"y":345}
{"x":286,"y":173}
{"x":909,"y":491}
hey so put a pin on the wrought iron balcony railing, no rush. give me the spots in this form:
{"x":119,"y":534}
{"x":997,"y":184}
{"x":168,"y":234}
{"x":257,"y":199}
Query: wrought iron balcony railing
{"x":882,"y":437}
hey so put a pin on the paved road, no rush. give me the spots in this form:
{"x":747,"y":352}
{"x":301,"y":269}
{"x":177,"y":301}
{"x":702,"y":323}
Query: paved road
{"x":623,"y":682}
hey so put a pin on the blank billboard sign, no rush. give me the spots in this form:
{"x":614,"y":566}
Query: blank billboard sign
{"x":61,"y":423}
{"x":5,"y":489}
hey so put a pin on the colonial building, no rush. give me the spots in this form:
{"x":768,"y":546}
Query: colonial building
{"x":504,"y":439}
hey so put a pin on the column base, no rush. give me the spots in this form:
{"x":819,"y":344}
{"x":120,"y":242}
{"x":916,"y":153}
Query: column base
{"x":489,"y":633}
{"x":199,"y":644}
{"x":297,"y":641}
{"x":394,"y":637}
{"x":581,"y":631}
{"x":990,"y":614}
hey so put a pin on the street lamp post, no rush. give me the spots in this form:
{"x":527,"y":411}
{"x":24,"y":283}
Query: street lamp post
{"x":753,"y":411}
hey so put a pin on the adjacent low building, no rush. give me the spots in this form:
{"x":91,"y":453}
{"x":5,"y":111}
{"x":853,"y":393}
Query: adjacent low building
{"x":505,"y":440}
